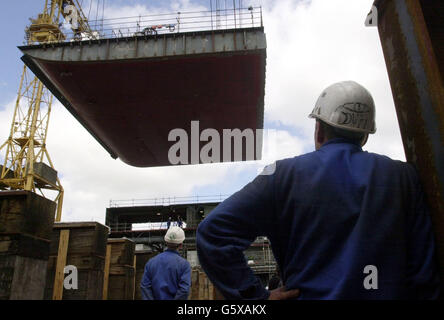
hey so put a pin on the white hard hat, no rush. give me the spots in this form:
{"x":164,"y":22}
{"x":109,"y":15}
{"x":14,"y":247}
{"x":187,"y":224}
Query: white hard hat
{"x":175,"y":235}
{"x":346,"y":105}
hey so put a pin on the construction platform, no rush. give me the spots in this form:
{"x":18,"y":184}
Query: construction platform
{"x":145,"y":223}
{"x":131,"y":92}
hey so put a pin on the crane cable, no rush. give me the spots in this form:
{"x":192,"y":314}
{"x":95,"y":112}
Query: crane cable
{"x":89,"y":12}
{"x":103,"y":13}
{"x":97,"y":13}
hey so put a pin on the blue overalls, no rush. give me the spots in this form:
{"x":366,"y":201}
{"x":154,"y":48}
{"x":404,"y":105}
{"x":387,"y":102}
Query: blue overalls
{"x":331,"y":216}
{"x":167,"y":277}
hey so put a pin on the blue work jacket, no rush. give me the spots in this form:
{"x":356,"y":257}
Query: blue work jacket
{"x":167,"y":277}
{"x":342,"y":223}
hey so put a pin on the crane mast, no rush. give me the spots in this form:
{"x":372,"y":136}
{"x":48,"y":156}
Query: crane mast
{"x":27,"y":164}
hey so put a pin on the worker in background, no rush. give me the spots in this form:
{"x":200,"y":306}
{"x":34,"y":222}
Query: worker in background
{"x":179,"y":222}
{"x":169,"y":223}
{"x":343,"y":223}
{"x":167,"y":276}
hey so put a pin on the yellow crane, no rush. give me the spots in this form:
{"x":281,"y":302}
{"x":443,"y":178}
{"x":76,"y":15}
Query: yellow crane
{"x":27,"y":164}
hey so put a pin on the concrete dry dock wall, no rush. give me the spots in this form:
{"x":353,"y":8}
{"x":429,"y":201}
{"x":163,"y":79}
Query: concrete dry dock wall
{"x":25,"y":227}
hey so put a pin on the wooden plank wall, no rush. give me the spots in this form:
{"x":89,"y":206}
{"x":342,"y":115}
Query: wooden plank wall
{"x":121,"y":275}
{"x":62,"y":253}
{"x":106,"y":273}
{"x":26,"y":221}
{"x":202,"y":288}
{"x":86,"y":250}
{"x":142,"y":258}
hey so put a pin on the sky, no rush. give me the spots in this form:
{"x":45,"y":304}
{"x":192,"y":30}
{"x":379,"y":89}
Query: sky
{"x":310,"y":45}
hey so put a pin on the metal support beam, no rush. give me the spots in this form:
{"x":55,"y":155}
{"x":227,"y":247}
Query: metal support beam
{"x":413,"y":63}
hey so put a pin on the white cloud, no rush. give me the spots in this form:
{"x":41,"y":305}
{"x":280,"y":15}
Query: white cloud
{"x":122,"y":19}
{"x":113,"y":11}
{"x":310,"y":46}
{"x":313,"y":45}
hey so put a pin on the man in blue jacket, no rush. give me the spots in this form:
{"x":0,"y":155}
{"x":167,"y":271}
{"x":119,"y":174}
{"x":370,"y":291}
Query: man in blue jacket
{"x":343,"y":223}
{"x":167,"y":276}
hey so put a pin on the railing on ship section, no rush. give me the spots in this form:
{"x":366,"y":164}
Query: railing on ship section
{"x":159,"y":24}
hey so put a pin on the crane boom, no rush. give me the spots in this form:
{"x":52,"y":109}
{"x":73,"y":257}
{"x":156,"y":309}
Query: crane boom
{"x":27,"y":164}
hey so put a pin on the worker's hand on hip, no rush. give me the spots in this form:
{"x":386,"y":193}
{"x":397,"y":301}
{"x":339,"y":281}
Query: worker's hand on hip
{"x":282,"y":294}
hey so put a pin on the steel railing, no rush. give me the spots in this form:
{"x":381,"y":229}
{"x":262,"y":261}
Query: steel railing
{"x":167,"y":201}
{"x":159,"y":24}
{"x":149,"y":226}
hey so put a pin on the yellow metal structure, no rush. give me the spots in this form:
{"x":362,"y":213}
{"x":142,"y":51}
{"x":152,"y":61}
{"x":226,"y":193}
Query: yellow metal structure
{"x":26,"y":146}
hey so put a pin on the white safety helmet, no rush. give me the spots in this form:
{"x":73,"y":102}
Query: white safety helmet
{"x":346,"y":105}
{"x":175,"y":235}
